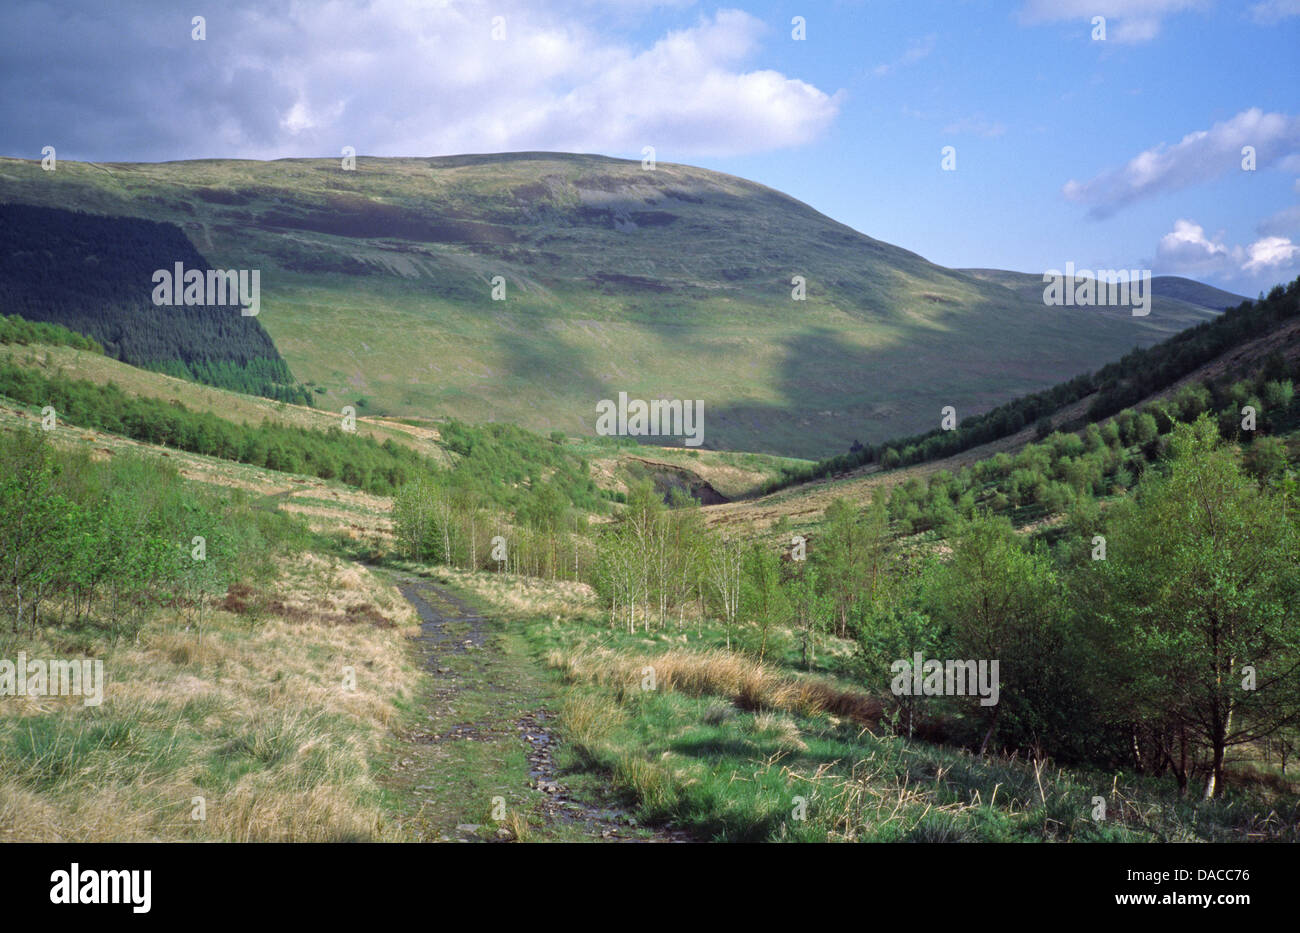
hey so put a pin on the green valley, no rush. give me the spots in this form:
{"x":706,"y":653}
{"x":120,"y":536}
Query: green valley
{"x":378,"y":291}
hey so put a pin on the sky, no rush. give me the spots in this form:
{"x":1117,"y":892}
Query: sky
{"x":1115,"y":152}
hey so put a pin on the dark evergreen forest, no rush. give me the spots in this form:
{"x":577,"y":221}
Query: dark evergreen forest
{"x":93,"y":275}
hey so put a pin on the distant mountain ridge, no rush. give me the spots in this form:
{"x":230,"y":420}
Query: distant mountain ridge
{"x":1178,"y":300}
{"x":378,"y":286}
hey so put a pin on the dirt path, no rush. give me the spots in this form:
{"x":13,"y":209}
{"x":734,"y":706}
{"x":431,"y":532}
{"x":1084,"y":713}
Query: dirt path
{"x":476,"y":700}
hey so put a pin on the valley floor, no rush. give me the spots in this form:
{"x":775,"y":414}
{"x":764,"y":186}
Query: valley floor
{"x":668,"y":731}
{"x":357,"y":696}
{"x":406,"y":703}
{"x":477,"y":758}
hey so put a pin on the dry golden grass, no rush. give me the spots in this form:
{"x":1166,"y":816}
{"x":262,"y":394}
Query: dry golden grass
{"x":870,"y":801}
{"x":516,"y":823}
{"x":784,"y":729}
{"x":746,"y":682}
{"x":517,"y":595}
{"x":374,"y":526}
{"x":252,"y":714}
{"x":590,"y":718}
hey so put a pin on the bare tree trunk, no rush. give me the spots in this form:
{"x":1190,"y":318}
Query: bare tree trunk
{"x":1214,"y":783}
{"x":989,"y":734}
{"x":1181,"y":773}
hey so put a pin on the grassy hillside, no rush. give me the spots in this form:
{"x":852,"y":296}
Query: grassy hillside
{"x":674,"y":282}
{"x":1176,"y":302}
{"x":1133,"y":378}
{"x":732,"y":475}
{"x":94,"y":275}
{"x":769,"y":716}
{"x":1267,"y":355}
{"x":234,"y":406}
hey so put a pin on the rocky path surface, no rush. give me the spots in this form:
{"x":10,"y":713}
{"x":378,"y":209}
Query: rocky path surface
{"x":448,"y":627}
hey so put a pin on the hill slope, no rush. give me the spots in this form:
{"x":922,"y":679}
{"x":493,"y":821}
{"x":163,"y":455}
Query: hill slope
{"x":1176,"y":302}
{"x":376,"y":285}
{"x":1262,"y":342}
{"x":94,"y":275}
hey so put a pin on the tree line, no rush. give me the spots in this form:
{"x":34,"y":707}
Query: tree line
{"x":1117,"y":385}
{"x":352,"y":459}
{"x":86,"y":542}
{"x":1125,"y":638}
{"x":19,"y":331}
{"x":93,"y":275}
{"x":1069,"y":473}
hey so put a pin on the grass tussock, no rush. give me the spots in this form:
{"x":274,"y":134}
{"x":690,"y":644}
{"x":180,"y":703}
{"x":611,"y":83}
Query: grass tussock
{"x":242,"y":730}
{"x":729,"y":749}
{"x":748,"y":683}
{"x":589,"y":719}
{"x":522,"y":596}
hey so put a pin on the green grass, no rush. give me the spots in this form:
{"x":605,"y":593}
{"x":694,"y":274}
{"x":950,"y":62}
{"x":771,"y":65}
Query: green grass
{"x":376,"y":285}
{"x":726,"y":773}
{"x":453,"y":781}
{"x":74,"y":363}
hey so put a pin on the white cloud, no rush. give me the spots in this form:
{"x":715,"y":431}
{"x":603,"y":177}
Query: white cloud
{"x":917,"y":50}
{"x":1273,"y":11}
{"x":1270,"y":253}
{"x":390,"y":77}
{"x":1198,"y":157}
{"x":1187,"y":250}
{"x":685,"y":94}
{"x":1126,"y":20}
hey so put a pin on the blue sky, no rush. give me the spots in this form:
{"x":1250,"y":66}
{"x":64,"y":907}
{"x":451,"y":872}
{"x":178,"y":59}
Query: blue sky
{"x":1114,"y":153}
